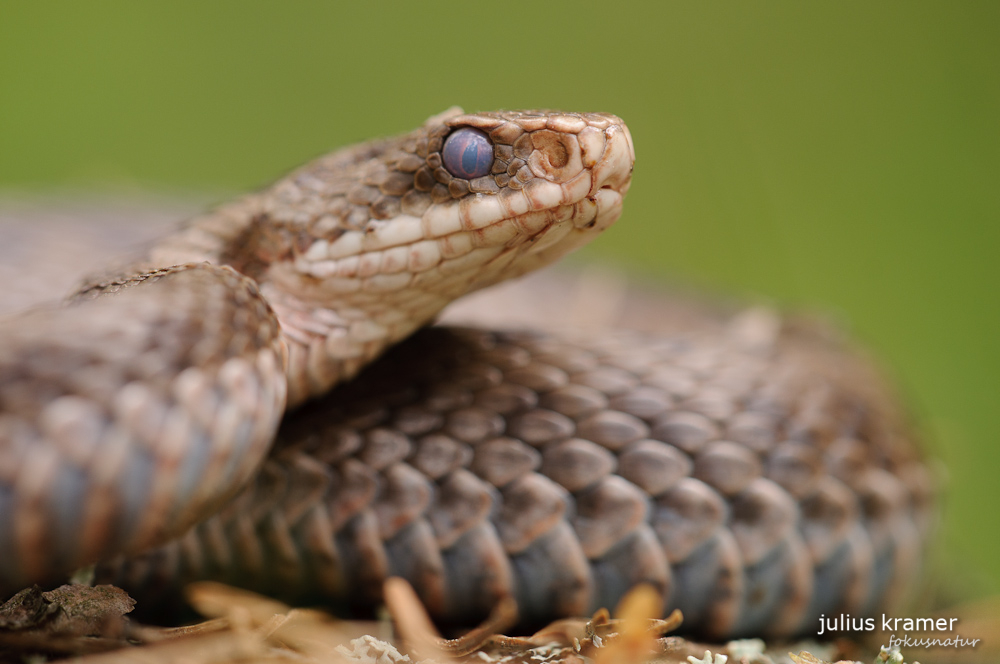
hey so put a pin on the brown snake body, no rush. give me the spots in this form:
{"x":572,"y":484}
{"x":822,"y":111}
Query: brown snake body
{"x":755,"y":474}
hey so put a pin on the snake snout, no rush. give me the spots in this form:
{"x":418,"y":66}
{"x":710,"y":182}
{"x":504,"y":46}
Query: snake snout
{"x":614,"y":170}
{"x":582,"y":154}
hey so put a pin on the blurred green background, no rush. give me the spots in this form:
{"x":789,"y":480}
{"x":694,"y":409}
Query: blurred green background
{"x":836,"y":155}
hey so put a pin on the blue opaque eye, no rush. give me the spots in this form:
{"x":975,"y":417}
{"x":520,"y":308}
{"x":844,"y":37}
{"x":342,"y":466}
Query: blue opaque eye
{"x":467,"y":154}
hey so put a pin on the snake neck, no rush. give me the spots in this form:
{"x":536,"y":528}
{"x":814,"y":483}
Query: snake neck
{"x":325,"y":340}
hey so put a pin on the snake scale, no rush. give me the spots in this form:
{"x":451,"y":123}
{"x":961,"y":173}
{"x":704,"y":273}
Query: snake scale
{"x":754,"y":472}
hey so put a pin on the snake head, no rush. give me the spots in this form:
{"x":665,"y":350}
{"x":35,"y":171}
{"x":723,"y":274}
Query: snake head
{"x":463,"y":202}
{"x":361,"y":247}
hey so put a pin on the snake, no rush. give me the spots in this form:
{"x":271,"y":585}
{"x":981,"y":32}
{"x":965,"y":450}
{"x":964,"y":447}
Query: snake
{"x":260,"y":399}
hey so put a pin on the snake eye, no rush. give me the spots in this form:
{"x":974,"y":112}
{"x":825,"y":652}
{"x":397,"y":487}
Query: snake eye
{"x":467,"y":154}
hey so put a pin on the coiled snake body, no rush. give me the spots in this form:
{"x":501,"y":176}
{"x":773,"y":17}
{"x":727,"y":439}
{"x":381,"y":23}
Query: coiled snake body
{"x":755,"y":474}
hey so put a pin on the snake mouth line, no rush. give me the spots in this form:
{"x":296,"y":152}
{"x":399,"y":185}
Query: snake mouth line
{"x":592,"y":214}
{"x":454,"y":247}
{"x":518,"y":245}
